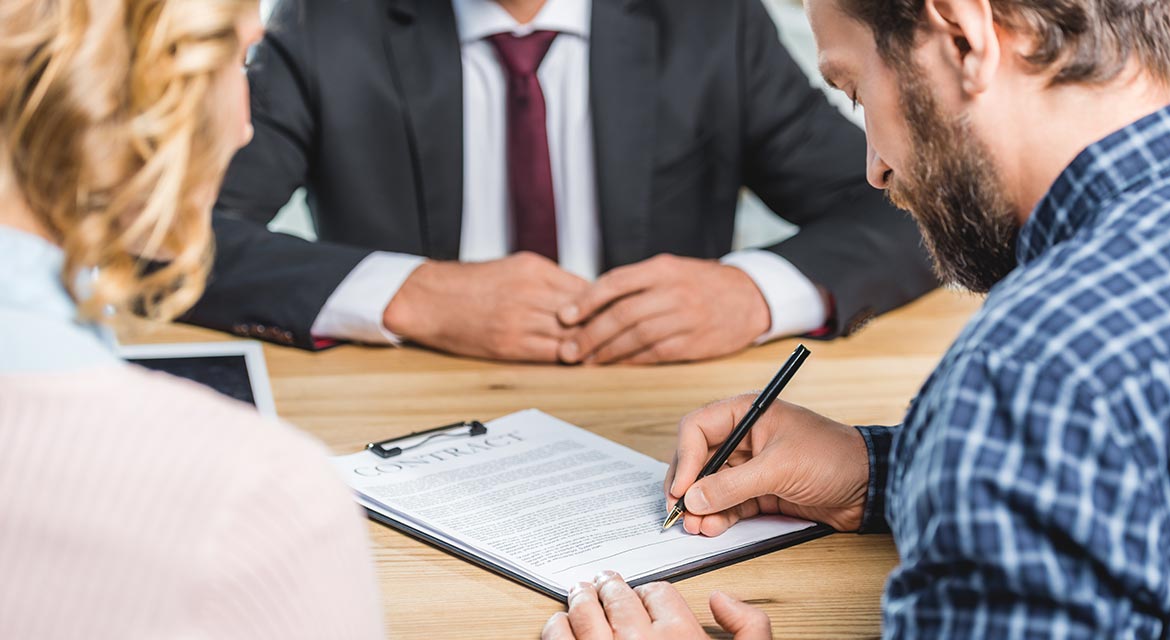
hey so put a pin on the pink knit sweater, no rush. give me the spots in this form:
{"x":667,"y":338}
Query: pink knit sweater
{"x":136,"y":505}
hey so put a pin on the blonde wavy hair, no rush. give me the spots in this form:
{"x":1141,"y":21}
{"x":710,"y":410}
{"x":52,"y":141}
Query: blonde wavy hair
{"x":107,"y":114}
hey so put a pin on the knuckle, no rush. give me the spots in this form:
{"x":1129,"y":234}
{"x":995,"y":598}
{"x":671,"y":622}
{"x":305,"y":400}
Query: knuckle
{"x":712,"y":526}
{"x":585,"y":337}
{"x":527,"y":259}
{"x":497,"y":343}
{"x":620,"y":314}
{"x":668,"y":263}
{"x":604,"y":290}
{"x":653,"y":589}
{"x":614,"y":281}
{"x":601,"y":284}
{"x":690,"y":421}
{"x":738,"y":404}
{"x":553,"y":628}
{"x":504,"y":340}
{"x":641,"y":333}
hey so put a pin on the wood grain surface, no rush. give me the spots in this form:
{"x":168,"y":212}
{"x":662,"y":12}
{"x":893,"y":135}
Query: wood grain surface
{"x":830,"y":587}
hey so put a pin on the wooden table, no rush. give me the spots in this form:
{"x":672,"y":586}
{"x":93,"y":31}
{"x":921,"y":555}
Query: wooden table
{"x":826,"y":588}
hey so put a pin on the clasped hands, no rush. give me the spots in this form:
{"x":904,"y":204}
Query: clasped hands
{"x":526,"y":308}
{"x":793,"y":462}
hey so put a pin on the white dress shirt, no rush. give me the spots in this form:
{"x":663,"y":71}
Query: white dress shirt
{"x":355,"y":310}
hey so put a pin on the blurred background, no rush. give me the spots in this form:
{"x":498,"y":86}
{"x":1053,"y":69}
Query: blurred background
{"x":755,"y":225}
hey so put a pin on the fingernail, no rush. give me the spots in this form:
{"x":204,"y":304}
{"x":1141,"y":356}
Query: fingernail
{"x":572,"y":351}
{"x":696,"y":500}
{"x":722,"y":596}
{"x":570,"y":314}
{"x":553,"y":620}
{"x":576,"y":589}
{"x":603,"y":576}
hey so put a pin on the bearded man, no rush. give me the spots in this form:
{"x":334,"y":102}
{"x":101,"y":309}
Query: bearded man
{"x":1028,"y":489}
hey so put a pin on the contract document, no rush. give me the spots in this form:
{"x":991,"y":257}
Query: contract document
{"x":547,"y":504}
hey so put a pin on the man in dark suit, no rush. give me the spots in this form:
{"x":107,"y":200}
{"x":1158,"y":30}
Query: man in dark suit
{"x":473,"y":165}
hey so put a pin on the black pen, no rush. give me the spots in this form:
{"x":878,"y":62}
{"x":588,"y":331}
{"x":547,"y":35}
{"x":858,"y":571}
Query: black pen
{"x":759,"y":406}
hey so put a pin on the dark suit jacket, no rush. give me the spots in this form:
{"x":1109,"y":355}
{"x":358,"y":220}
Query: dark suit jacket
{"x":360,"y":101}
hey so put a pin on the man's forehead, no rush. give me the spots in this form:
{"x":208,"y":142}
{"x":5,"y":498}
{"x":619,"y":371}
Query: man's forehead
{"x":825,"y":16}
{"x":841,"y":40}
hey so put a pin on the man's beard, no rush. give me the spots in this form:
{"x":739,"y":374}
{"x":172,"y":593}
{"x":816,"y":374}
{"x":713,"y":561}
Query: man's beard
{"x":954,"y":193}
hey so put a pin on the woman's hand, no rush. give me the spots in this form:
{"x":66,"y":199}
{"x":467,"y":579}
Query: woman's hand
{"x":608,"y":609}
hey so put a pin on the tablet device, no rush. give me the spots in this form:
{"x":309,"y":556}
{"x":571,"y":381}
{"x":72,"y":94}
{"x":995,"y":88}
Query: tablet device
{"x":235,"y":369}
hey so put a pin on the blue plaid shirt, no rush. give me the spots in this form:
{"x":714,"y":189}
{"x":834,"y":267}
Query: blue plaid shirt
{"x":1028,"y":490}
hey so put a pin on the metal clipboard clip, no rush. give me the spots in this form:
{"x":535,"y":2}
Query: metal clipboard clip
{"x":465,"y":429}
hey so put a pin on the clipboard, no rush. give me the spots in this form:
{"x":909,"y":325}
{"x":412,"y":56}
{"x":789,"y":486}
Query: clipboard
{"x":681,"y":573}
{"x":393,"y":447}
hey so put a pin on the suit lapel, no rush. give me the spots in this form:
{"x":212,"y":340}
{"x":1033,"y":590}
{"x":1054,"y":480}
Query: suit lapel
{"x":623,"y":63}
{"x":425,"y":59}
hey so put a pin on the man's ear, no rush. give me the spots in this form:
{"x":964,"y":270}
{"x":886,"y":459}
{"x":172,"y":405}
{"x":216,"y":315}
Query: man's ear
{"x":968,"y":40}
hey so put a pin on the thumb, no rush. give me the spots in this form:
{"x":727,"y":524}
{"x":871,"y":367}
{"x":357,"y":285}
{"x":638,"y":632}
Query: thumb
{"x":729,"y":487}
{"x":743,"y":621}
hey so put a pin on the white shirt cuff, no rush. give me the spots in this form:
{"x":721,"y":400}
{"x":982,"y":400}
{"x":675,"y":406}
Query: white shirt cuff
{"x":355,"y":310}
{"x":794,"y":301}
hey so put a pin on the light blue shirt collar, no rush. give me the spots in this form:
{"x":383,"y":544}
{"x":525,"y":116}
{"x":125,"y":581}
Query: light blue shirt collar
{"x":39,"y":329}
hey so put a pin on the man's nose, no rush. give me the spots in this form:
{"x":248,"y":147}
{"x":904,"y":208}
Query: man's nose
{"x":876,"y":170}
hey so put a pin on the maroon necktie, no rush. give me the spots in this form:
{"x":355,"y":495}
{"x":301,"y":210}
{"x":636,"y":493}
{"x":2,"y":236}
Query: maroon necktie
{"x":534,"y":212}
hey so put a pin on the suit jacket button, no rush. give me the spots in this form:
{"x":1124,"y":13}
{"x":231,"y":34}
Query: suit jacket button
{"x":240,"y":329}
{"x":860,"y":320}
{"x":286,"y":337}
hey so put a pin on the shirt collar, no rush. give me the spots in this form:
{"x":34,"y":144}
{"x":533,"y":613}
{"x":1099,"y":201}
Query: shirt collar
{"x":39,"y":329}
{"x":478,"y":19}
{"x":1120,"y":162}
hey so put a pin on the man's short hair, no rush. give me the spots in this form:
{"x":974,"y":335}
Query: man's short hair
{"x":1076,"y":41}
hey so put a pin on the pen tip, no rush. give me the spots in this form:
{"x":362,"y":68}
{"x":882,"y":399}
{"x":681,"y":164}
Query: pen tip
{"x":675,"y":514}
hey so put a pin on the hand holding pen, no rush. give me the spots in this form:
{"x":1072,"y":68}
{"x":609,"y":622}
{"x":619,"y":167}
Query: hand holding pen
{"x":792,"y":461}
